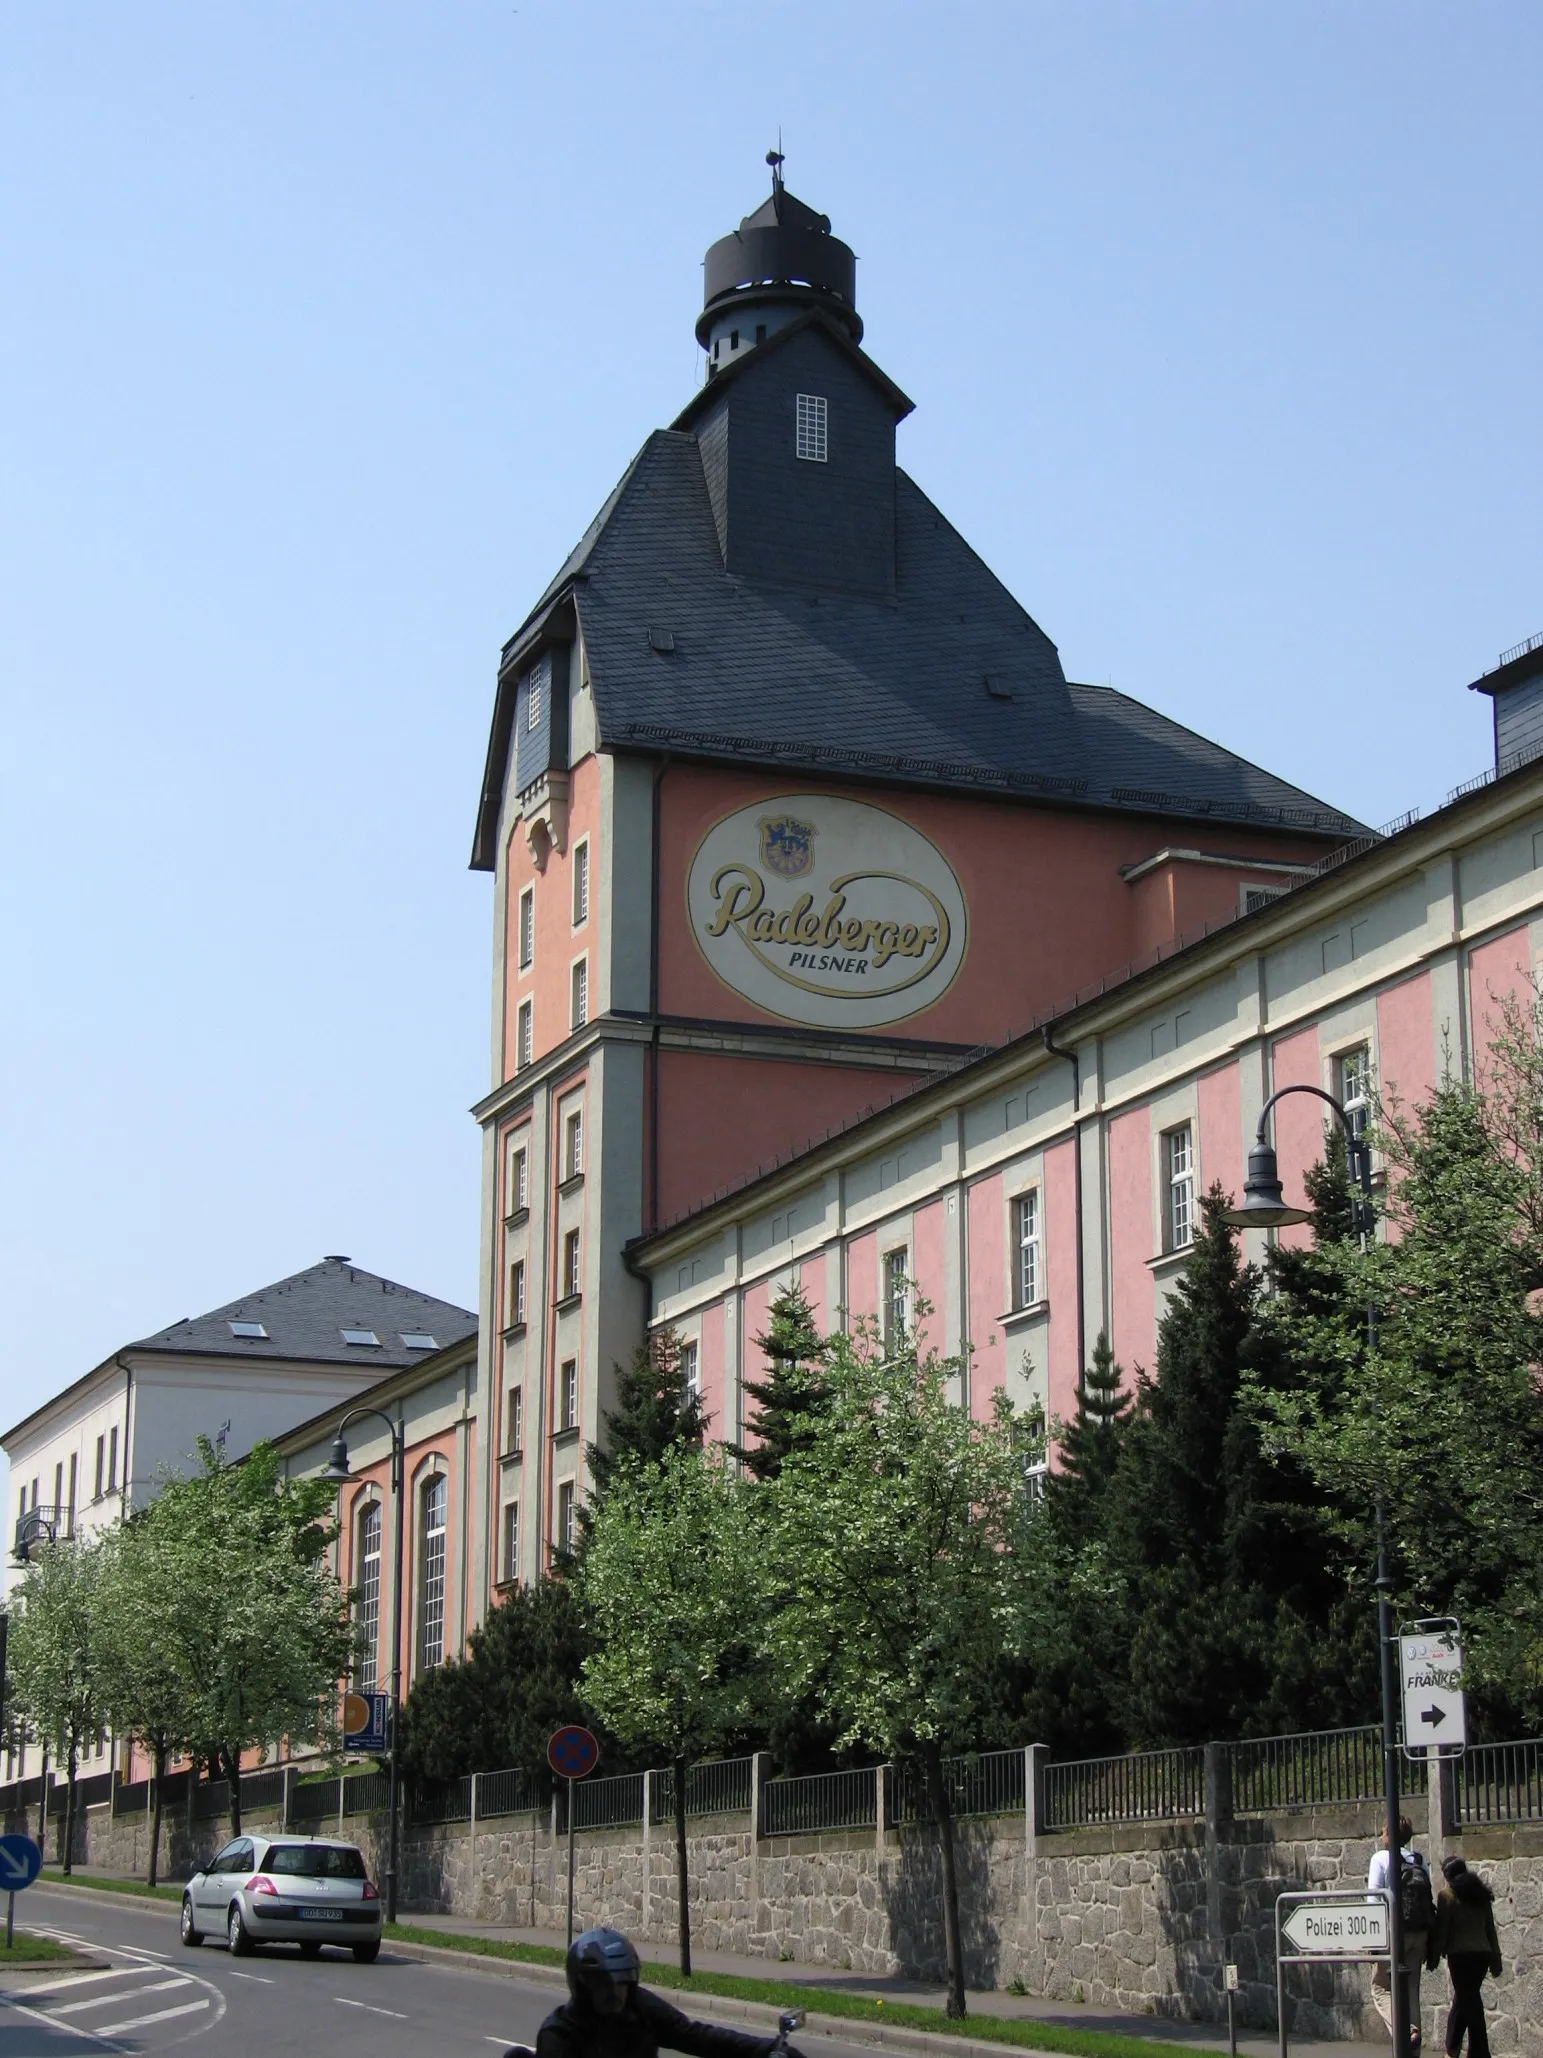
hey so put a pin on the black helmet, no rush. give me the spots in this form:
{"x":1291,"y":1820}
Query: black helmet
{"x":601,"y":1967}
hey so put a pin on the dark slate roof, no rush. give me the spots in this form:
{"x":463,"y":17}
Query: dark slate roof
{"x":849,"y":687}
{"x":306,"y":1314}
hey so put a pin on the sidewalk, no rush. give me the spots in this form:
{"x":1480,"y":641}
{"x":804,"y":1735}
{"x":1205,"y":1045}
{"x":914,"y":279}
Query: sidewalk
{"x":1258,"y":2044}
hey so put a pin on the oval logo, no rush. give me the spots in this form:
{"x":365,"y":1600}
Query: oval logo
{"x":827,"y":912}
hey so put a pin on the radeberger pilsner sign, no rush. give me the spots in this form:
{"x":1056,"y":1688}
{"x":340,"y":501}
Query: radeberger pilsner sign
{"x":827,"y":911}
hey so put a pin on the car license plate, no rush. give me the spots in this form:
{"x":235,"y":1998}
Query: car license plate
{"x":320,"y":1914}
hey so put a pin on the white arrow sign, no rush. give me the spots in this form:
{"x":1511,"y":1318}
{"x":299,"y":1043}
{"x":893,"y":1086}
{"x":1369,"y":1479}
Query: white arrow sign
{"x":1435,"y":1714}
{"x":13,"y":1867}
{"x":1339,"y":1929}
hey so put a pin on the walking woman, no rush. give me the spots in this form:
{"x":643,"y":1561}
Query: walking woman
{"x":1465,"y":1936}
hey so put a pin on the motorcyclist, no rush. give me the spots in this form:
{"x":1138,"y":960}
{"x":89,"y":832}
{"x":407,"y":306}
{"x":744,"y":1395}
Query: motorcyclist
{"x":609,"y":2015}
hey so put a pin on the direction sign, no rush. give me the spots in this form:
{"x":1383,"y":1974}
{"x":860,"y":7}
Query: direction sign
{"x":20,"y":1863}
{"x":1435,"y":1713}
{"x":572,"y":1752}
{"x":1338,"y":1926}
{"x":364,"y":1721}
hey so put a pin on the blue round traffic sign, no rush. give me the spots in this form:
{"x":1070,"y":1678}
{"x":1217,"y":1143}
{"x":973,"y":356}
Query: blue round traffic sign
{"x":572,"y":1752}
{"x":20,"y":1863}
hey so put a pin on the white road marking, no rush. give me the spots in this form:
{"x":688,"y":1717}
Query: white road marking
{"x":84,"y":1979}
{"x":156,"y":1986}
{"x":261,"y":1978}
{"x":37,"y":2015}
{"x":395,"y":2014}
{"x":114,"y":2029}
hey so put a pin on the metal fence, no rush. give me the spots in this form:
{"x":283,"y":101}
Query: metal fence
{"x":510,"y":1793}
{"x":988,"y":1783}
{"x":721,"y":1787}
{"x":602,"y":1803}
{"x":822,"y":1800}
{"x":1500,"y":1782}
{"x":446,"y":1800}
{"x":1141,"y":1787}
{"x":1315,"y":1770}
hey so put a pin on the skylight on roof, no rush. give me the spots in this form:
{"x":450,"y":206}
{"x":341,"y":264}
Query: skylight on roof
{"x":361,"y":1336}
{"x":248,"y":1329}
{"x":419,"y":1340}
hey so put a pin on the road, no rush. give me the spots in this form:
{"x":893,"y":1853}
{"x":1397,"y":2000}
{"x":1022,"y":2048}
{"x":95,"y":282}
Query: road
{"x":154,"y":1995}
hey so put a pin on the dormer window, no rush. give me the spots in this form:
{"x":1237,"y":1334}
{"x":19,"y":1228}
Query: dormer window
{"x":533,"y":703}
{"x":811,"y":427}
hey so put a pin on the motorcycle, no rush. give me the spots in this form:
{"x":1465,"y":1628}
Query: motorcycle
{"x":787,"y":2022}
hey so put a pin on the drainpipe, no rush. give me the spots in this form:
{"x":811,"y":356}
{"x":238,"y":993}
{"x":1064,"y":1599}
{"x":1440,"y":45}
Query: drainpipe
{"x":1056,"y":1051}
{"x":656,"y":812}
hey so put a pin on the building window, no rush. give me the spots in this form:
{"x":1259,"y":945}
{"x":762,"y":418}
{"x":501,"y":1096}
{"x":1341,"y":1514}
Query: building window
{"x":514,"y":1313}
{"x":573,"y":1145}
{"x":112,"y":1461}
{"x":897,"y":1299}
{"x":518,"y":1196}
{"x":527,"y":928}
{"x":535,"y":697}
{"x":1179,"y":1182}
{"x":811,"y":427}
{"x":568,"y":1394}
{"x":101,"y":1455}
{"x":1030,"y":1280}
{"x":1355,"y":1088}
{"x":565,"y":1517}
{"x":511,"y":1542}
{"x":74,"y":1467}
{"x":523,"y":1037}
{"x":691,"y":1370}
{"x":368,"y":1584}
{"x":580,"y":1011}
{"x":571,"y":1273}
{"x":431,"y":1587}
{"x":514,"y":1406}
{"x":580,"y":884}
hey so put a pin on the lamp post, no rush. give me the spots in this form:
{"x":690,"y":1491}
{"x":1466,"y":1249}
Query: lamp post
{"x":1265,"y":1207}
{"x":337,"y":1468}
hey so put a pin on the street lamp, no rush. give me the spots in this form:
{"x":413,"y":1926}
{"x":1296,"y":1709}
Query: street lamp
{"x":34,"y":1528}
{"x":1265,"y":1207}
{"x":337,"y":1469}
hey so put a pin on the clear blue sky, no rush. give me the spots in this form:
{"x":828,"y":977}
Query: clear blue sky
{"x":329,"y":326}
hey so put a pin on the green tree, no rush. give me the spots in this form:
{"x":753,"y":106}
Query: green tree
{"x":254,"y":1622}
{"x":142,"y":1692}
{"x":793,"y":1393}
{"x":674,"y":1584}
{"x":55,"y":1660}
{"x":656,"y":1412}
{"x":908,"y":1538}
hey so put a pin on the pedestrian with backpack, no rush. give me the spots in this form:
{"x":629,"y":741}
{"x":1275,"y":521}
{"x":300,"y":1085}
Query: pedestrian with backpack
{"x":1465,"y":1936}
{"x":1417,"y":1904}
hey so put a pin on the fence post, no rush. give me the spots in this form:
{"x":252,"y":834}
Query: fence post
{"x":879,"y":1775}
{"x":287,"y":1790}
{"x":471,"y":1853}
{"x":340,"y":1807}
{"x":1442,"y":1773}
{"x":760,"y":1766}
{"x":1218,"y":1816}
{"x":648,"y":1874}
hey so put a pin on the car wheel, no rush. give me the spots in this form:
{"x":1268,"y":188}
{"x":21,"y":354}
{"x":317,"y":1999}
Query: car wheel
{"x":190,"y":1935}
{"x":366,"y":1954}
{"x":240,"y":1936}
{"x":310,"y":1950}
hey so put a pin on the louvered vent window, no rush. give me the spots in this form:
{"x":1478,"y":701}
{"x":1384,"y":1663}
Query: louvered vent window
{"x":537,"y":692}
{"x":811,"y":427}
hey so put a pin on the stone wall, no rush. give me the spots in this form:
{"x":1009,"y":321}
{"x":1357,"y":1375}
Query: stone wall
{"x":1137,"y":1917}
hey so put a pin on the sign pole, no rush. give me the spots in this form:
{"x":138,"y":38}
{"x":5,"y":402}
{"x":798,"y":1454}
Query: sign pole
{"x":10,"y":1918}
{"x":570,"y":1863}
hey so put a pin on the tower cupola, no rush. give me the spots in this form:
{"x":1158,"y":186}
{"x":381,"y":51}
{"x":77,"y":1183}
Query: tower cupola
{"x":781,"y":261}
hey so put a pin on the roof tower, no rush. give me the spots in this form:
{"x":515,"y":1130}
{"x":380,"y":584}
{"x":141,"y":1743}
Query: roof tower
{"x":780,"y":262}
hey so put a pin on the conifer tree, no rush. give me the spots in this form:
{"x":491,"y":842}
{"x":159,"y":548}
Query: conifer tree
{"x":1088,"y":1447}
{"x":655,"y":1413}
{"x":793,"y":1394}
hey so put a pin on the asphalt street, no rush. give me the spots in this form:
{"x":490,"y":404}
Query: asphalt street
{"x":151,"y":1994}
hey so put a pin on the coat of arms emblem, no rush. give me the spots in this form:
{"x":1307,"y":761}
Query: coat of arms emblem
{"x":787,"y":845}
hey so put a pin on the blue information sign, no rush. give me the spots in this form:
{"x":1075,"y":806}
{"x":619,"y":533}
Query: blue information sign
{"x":364,"y":1721}
{"x":20,"y":1863}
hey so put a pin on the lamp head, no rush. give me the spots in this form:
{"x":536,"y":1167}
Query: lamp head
{"x":337,"y":1464}
{"x":1264,"y":1204}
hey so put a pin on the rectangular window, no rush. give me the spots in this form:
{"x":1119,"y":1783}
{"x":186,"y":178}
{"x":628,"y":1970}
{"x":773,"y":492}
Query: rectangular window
{"x":573,"y":1145}
{"x":580,"y":885}
{"x":580,"y":1011}
{"x":535,"y":696}
{"x":431,"y":1583}
{"x":1030,"y":1272}
{"x":568,"y":1394}
{"x":518,"y":1183}
{"x":514,"y":1312}
{"x":101,"y":1453}
{"x":523,"y":1037}
{"x":515,"y":1418}
{"x":897,"y":1299}
{"x":811,"y":427}
{"x":691,"y":1370}
{"x":112,"y":1462}
{"x":571,"y":1274}
{"x":74,"y":1464}
{"x":1355,"y":1087}
{"x":511,"y":1542}
{"x":527,"y":928}
{"x":1179,"y":1174}
{"x":565,"y":1517}
{"x":367,"y":1583}
{"x":58,"y":1488}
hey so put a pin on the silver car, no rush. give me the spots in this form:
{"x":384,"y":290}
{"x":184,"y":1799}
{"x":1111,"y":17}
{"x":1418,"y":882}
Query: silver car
{"x":300,"y":1890}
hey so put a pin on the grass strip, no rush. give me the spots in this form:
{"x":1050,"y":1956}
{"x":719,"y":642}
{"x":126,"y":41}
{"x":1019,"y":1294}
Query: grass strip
{"x":1021,"y":2031}
{"x":51,"y":1876}
{"x":30,"y":1950}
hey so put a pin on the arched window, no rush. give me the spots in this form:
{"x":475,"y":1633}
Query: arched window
{"x":431,"y":1578}
{"x":367,"y":1583}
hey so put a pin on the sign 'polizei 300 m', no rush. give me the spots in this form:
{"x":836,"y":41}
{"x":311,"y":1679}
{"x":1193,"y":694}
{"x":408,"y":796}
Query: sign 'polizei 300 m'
{"x":827,"y":912}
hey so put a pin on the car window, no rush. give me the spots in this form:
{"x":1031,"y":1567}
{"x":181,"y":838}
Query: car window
{"x":226,"y":1860}
{"x":239,"y":1858}
{"x":316,"y":1861}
